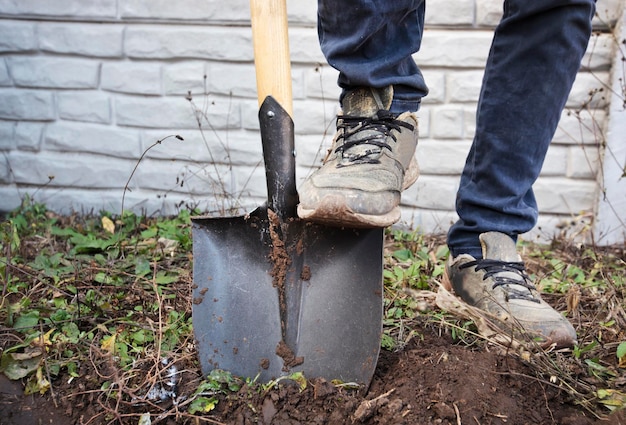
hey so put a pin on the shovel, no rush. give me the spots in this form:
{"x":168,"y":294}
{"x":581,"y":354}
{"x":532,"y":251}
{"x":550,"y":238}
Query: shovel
{"x":274,"y":295}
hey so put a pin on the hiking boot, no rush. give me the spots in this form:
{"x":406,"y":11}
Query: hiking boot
{"x":371,"y":161}
{"x":499,"y":285}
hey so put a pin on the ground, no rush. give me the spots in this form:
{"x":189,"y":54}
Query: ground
{"x":440,"y":372}
{"x":431,"y":381}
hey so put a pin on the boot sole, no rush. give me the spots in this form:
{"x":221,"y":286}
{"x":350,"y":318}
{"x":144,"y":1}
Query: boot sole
{"x":333,"y":212}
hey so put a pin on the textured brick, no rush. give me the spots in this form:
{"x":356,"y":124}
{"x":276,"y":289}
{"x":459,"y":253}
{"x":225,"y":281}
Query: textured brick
{"x":137,"y":78}
{"x":91,"y":200}
{"x":17,"y":36}
{"x":61,"y":8}
{"x":607,"y":13}
{"x":432,"y":192}
{"x":599,"y":54}
{"x":462,"y":49}
{"x":180,"y":176}
{"x":452,"y":13}
{"x":230,"y":147}
{"x":423,"y":122}
{"x":184,"y":77}
{"x":10,"y":197}
{"x":249,"y":182}
{"x":310,"y":151}
{"x":304,"y":46}
{"x":488,"y":12}
{"x":28,"y":135}
{"x":583,"y":162}
{"x":210,"y":10}
{"x":585,"y":126}
{"x":87,"y":106}
{"x":250,"y":115}
{"x":463,"y":86}
{"x":189,"y":10}
{"x":564,"y":196}
{"x":99,"y":40}
{"x":555,"y":163}
{"x":5,"y":78}
{"x":103,"y":140}
{"x":26,"y":104}
{"x":168,"y":112}
{"x":161,"y":42}
{"x":5,"y":173}
{"x":436,"y":82}
{"x":547,"y":226}
{"x":69,"y":170}
{"x":7,"y":135}
{"x":469,"y":122}
{"x":298,"y":83}
{"x":52,"y":72}
{"x":302,"y":12}
{"x":439,"y":157}
{"x":588,"y":90}
{"x":231,"y":78}
{"x":313,"y":117}
{"x":447,"y":122}
{"x":425,"y":220}
{"x":321,"y":83}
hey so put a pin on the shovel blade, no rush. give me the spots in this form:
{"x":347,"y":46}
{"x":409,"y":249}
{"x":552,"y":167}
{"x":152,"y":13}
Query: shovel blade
{"x":331,"y":312}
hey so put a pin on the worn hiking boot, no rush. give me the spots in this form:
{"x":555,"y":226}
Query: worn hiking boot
{"x":499,"y":285}
{"x":371,"y":161}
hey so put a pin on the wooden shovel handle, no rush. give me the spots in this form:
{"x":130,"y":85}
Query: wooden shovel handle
{"x":271,"y":51}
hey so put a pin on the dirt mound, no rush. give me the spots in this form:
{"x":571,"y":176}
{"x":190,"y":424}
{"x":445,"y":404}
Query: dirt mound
{"x":431,"y":381}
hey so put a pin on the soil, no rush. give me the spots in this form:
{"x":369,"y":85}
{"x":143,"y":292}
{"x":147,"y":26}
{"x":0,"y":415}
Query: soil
{"x":431,"y":381}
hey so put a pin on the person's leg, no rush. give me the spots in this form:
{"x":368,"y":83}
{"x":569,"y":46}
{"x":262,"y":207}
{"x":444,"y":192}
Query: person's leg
{"x":534,"y":58}
{"x":371,"y":161}
{"x":371,"y":42}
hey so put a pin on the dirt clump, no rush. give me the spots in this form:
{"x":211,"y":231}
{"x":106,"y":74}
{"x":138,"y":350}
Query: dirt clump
{"x":431,"y":381}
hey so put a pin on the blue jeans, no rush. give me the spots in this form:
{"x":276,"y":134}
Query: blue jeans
{"x":534,"y":58}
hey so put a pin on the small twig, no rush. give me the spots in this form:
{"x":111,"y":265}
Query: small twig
{"x":458,"y":414}
{"x":45,"y":363}
{"x":158,"y":142}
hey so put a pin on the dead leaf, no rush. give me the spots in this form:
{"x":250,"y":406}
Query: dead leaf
{"x":108,"y":225}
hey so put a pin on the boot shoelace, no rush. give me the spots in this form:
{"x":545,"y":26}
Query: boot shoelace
{"x":493,"y":268}
{"x":380,"y":127}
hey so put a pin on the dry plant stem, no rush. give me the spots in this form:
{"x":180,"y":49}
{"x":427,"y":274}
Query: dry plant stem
{"x":203,"y":114}
{"x":45,"y":363}
{"x":368,"y":407}
{"x":158,"y":142}
{"x":458,"y":414}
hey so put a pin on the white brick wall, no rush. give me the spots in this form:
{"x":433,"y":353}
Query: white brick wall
{"x":87,"y":87}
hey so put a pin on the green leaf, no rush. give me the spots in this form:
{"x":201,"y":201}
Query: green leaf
{"x":72,"y":369}
{"x":162,"y":278}
{"x":203,"y":405}
{"x":16,"y":366}
{"x":621,"y":350}
{"x":142,"y":267}
{"x":72,"y":332}
{"x":27,"y":320}
{"x":403,"y":254}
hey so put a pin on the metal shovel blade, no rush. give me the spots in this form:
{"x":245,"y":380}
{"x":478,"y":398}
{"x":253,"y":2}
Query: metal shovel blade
{"x":274,"y":295}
